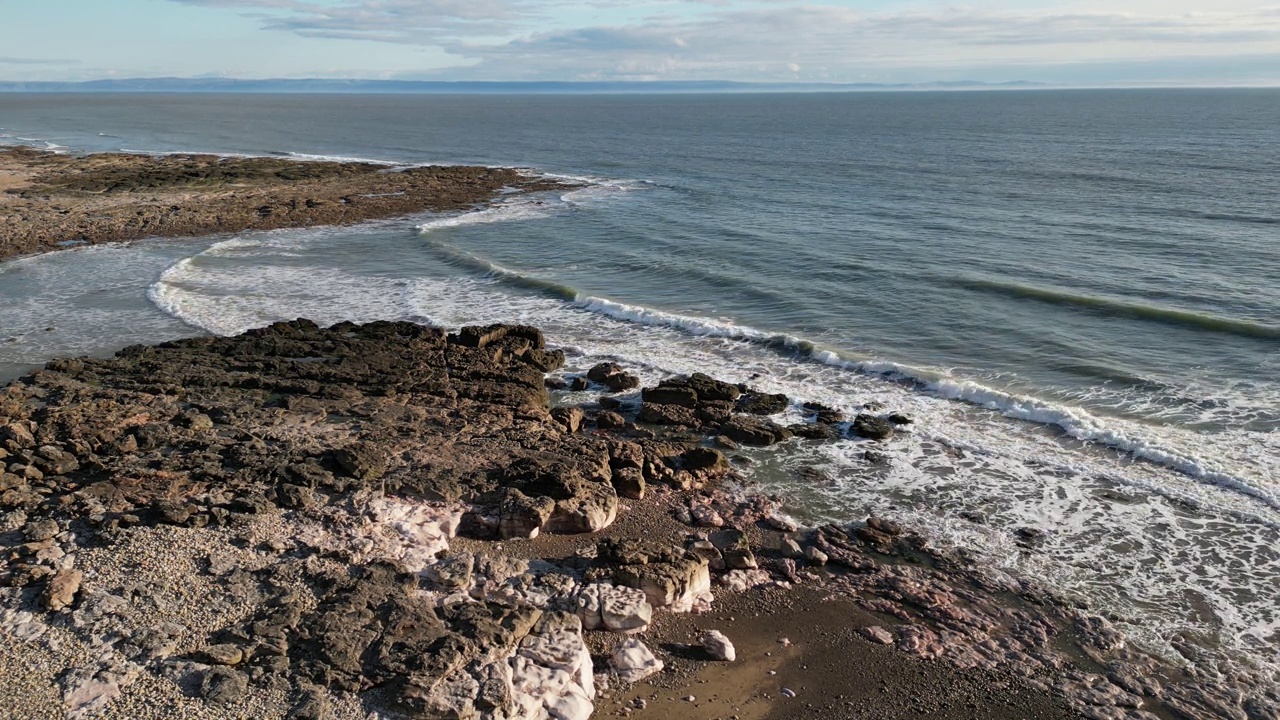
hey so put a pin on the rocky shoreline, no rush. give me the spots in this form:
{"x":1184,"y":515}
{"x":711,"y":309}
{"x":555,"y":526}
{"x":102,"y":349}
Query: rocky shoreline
{"x":52,"y":201}
{"x":388,"y":520}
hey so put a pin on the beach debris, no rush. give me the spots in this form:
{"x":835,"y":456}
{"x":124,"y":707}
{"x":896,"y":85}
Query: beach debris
{"x":718,"y":646}
{"x":788,"y":693}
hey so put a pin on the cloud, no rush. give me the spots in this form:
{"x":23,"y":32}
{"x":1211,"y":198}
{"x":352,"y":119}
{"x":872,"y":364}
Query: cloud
{"x":530,"y":39}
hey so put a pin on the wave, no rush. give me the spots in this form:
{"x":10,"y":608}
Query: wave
{"x":1120,"y":308}
{"x":1075,"y":422}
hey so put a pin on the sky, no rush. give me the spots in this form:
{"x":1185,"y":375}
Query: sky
{"x":1073,"y":42}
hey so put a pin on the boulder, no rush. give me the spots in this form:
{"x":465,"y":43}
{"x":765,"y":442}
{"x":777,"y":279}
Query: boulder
{"x":754,"y":431}
{"x":61,"y":590}
{"x":718,"y":646}
{"x":221,"y":685}
{"x":610,"y":421}
{"x":756,"y":403}
{"x":570,"y":418}
{"x":521,"y":516}
{"x":667,"y":393}
{"x":872,"y":427}
{"x":629,"y":483}
{"x":704,"y":459}
{"x":609,"y":607}
{"x":678,"y":585}
{"x":632,"y":661}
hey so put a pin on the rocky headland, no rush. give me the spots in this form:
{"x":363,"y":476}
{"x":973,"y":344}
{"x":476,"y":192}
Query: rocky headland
{"x":51,"y":201}
{"x":389,"y":520}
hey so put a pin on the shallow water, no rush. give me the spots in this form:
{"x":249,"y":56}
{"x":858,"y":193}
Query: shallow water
{"x":1073,"y":293}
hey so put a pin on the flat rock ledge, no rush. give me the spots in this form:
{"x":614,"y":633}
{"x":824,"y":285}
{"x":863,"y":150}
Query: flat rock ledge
{"x":51,"y":201}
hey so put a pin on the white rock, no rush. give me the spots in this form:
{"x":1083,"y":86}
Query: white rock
{"x":718,"y":646}
{"x":741,"y":580}
{"x":632,"y":661}
{"x":625,"y":609}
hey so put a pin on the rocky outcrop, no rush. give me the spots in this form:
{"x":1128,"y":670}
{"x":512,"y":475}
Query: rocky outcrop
{"x":52,"y":198}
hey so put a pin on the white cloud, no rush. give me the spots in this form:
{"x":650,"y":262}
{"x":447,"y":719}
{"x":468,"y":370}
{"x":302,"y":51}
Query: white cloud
{"x":497,"y":39}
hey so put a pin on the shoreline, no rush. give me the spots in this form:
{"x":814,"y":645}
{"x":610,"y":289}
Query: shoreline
{"x":51,"y":201}
{"x":387,"y":518}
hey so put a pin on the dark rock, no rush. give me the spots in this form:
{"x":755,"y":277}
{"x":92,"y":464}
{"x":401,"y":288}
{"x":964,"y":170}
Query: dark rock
{"x":222,"y":685}
{"x":669,"y":393}
{"x":824,"y":414}
{"x":16,"y":436}
{"x":704,"y":459}
{"x":578,"y":384}
{"x":876,"y":458}
{"x":763,"y":403}
{"x":610,"y":421}
{"x":870,"y":426}
{"x":362,"y":463}
{"x":297,"y":497}
{"x":40,"y":530}
{"x":170,"y":512}
{"x":602,"y":372}
{"x":754,"y":431}
{"x":899,"y":419}
{"x":668,"y":414}
{"x":609,"y":403}
{"x":570,"y":418}
{"x":711,"y":390}
{"x":814,"y":432}
{"x":522,"y":516}
{"x":622,"y":382}
{"x":888,"y":527}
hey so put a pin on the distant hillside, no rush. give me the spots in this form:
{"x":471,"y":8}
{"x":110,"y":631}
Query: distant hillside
{"x":214,"y":85}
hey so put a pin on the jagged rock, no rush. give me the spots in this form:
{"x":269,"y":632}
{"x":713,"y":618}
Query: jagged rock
{"x":222,"y":654}
{"x":40,"y":530}
{"x":755,"y":403}
{"x":668,"y":414}
{"x":872,"y":427}
{"x":609,"y":403}
{"x":824,"y":414}
{"x":711,"y":390}
{"x":817,"y":431}
{"x":791,"y":549}
{"x":170,"y":512}
{"x":222,"y":685}
{"x":815,"y":556}
{"x":704,"y":459}
{"x":312,"y":705}
{"x":61,"y":590}
{"x":754,"y":431}
{"x":569,"y":417}
{"x":523,"y":516}
{"x":718,"y":646}
{"x":610,"y":421}
{"x":361,"y":463}
{"x":16,"y":436}
{"x":899,"y":419}
{"x":679,"y":585}
{"x":632,"y":661}
{"x":613,"y":376}
{"x":669,"y":393}
{"x":629,"y":483}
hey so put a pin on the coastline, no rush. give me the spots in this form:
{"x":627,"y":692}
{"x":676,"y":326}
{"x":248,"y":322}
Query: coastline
{"x":383,"y":517}
{"x":51,"y":201}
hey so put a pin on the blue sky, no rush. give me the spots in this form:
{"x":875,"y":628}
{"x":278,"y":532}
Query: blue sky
{"x":1090,"y":42}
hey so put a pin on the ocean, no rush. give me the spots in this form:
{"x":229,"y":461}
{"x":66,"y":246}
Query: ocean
{"x":1075,"y":294}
